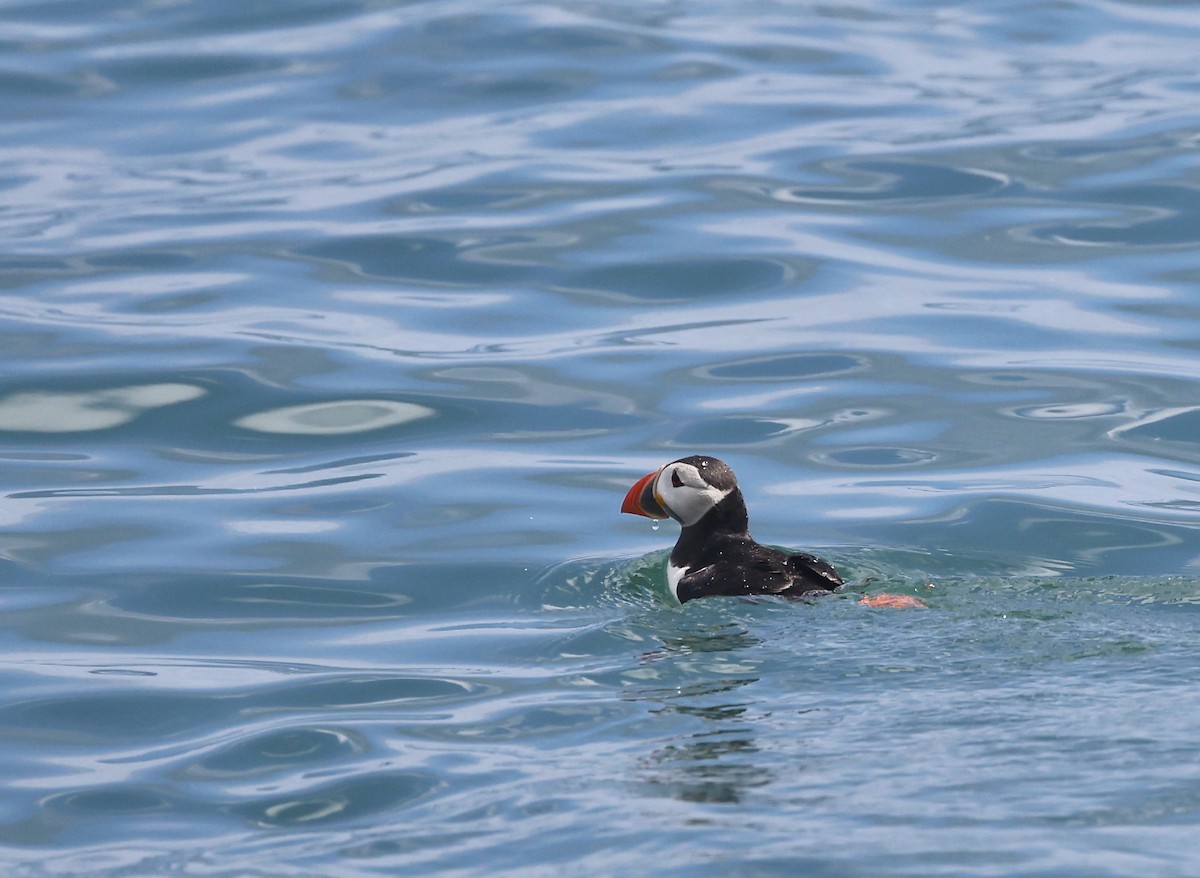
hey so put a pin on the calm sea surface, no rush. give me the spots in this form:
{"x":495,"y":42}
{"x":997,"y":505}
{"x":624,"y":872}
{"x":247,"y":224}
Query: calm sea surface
{"x":332,"y":333}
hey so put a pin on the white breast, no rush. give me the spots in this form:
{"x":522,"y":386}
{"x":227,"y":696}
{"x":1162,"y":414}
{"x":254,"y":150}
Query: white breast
{"x":674,"y":574}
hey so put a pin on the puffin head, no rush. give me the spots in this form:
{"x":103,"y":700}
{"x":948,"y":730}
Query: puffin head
{"x":684,"y":489}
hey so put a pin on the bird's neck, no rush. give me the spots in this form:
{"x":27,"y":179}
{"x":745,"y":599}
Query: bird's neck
{"x":727,"y":518}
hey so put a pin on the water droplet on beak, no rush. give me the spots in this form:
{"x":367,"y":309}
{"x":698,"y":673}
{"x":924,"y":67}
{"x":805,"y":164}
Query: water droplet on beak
{"x":654,"y":524}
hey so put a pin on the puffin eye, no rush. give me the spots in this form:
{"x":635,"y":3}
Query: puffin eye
{"x":675,"y":480}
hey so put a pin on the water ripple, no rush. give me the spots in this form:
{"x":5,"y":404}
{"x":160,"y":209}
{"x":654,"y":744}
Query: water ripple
{"x":333,"y":333}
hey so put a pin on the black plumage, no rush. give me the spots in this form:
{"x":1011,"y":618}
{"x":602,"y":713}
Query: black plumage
{"x":715,"y":554}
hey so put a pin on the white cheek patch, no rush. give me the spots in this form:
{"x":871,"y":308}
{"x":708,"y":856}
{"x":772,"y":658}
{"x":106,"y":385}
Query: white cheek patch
{"x":690,"y":501}
{"x":691,"y":504}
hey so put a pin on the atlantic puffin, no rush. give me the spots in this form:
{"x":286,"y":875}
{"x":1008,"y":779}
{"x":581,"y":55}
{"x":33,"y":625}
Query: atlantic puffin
{"x":715,"y":554}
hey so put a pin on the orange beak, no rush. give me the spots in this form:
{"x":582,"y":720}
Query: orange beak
{"x":641,"y":499}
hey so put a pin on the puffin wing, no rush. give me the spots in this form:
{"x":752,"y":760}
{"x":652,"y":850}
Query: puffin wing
{"x":770,"y":567}
{"x":699,"y":583}
{"x":791,"y":575}
{"x":762,"y":571}
{"x":813,"y":572}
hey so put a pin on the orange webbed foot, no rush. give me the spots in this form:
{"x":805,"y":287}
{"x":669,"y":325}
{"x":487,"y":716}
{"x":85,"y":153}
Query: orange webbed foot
{"x":895,"y":601}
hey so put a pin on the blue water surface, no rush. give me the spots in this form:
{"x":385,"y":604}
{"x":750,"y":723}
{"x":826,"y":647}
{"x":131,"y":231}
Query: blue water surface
{"x":332,"y":334}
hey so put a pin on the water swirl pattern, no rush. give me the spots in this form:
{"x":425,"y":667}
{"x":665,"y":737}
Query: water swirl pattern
{"x":333,"y":332}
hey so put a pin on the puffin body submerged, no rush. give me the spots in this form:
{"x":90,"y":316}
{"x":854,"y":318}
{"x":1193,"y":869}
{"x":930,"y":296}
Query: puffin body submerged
{"x":715,"y":554}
